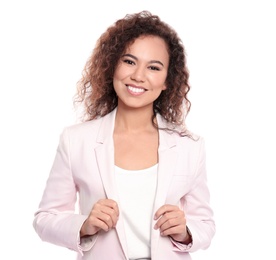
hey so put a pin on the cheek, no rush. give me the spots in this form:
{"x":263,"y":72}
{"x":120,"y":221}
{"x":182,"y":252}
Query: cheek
{"x":116,"y":74}
{"x":115,"y":83}
{"x":121,"y":72}
{"x":160,"y":82}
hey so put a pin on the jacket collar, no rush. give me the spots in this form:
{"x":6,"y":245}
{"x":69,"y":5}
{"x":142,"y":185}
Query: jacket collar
{"x":107,"y":127}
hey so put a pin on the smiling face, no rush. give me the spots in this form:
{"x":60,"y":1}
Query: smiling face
{"x":141,"y":72}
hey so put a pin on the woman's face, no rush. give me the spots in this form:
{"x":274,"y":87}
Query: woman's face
{"x":141,"y":72}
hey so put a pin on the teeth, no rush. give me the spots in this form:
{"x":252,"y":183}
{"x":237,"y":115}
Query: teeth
{"x":136,"y":90}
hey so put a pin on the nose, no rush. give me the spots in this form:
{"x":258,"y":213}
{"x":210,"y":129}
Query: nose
{"x":138,"y":74}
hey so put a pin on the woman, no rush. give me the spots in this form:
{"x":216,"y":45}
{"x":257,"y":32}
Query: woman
{"x":138,"y":173}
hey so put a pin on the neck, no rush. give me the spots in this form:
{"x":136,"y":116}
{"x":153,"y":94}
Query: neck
{"x":134,"y":120}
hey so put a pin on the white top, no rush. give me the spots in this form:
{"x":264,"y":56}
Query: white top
{"x":137,"y":193}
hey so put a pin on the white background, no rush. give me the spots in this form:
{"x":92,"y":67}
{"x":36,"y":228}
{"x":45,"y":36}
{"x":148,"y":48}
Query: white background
{"x":231,"y":56}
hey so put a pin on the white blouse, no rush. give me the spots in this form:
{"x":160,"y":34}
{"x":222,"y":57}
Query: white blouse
{"x":136,"y":194}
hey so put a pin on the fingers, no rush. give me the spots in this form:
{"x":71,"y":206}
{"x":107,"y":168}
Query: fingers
{"x":164,"y":209}
{"x":104,"y":215}
{"x":171,"y":220}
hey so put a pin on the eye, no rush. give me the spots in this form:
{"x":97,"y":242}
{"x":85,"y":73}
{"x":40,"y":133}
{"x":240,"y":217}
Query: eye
{"x":154,"y":68}
{"x":130,"y":62}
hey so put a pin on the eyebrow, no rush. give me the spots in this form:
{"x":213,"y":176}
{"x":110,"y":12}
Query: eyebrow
{"x":151,"y":61}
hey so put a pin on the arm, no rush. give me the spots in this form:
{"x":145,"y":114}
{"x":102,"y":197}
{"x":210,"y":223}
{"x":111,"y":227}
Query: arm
{"x":189,"y":224}
{"x":196,"y":205}
{"x":56,"y":221}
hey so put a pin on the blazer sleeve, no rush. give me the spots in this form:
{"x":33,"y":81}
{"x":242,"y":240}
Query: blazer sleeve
{"x":196,"y":205}
{"x":56,"y":221}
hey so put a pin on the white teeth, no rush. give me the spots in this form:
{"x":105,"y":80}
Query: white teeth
{"x":136,"y":90}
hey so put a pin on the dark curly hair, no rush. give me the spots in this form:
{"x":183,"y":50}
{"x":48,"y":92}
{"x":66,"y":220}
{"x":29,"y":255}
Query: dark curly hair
{"x":95,"y":89}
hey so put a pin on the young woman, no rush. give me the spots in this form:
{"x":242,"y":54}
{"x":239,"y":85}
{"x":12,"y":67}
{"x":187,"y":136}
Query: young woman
{"x":138,"y":173}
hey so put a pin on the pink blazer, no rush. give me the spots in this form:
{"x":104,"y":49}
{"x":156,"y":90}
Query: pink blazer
{"x":84,"y":165}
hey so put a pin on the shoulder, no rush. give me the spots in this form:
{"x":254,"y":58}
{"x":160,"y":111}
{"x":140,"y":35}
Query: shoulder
{"x":94,"y":130}
{"x":83,"y":132}
{"x":180,"y":132}
{"x":190,"y":139}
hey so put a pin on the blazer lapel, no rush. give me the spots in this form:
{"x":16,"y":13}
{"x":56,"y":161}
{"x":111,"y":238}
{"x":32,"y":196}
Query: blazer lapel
{"x":105,"y":157}
{"x":167,"y":154}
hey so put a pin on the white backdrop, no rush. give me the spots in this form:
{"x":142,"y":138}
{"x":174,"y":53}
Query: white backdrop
{"x":231,"y":57}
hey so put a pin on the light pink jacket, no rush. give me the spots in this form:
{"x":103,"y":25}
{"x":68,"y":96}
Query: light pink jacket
{"x":84,"y":165}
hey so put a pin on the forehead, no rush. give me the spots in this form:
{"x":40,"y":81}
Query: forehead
{"x":149,"y":47}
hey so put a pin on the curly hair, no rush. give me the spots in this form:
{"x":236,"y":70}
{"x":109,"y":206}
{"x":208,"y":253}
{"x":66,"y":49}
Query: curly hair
{"x":95,"y":89}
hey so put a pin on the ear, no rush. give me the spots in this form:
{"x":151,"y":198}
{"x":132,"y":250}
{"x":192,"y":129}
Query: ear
{"x":164,"y":87}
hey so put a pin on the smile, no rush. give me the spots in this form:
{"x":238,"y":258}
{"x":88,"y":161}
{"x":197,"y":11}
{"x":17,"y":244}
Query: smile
{"x":135,"y":90}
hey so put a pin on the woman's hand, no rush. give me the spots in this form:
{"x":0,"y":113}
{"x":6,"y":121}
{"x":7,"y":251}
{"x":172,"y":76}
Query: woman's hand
{"x":104,"y":215}
{"x":172,"y":222}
